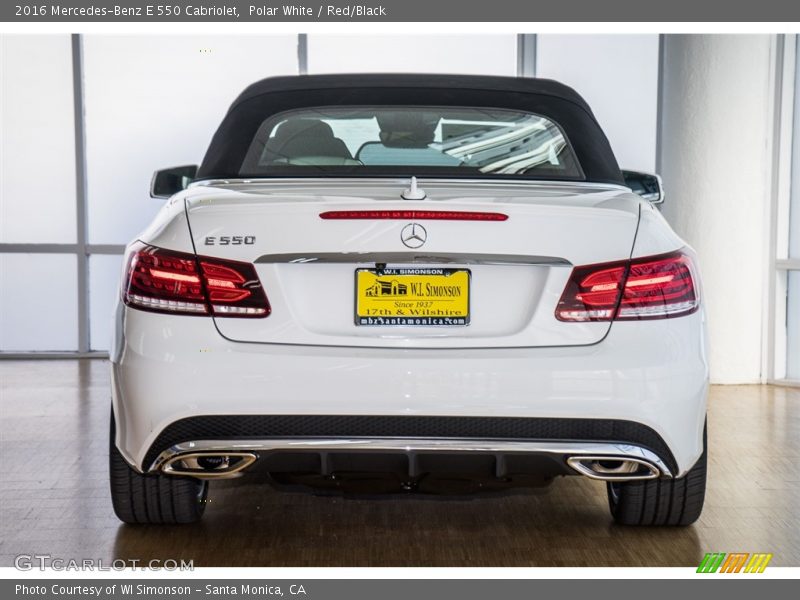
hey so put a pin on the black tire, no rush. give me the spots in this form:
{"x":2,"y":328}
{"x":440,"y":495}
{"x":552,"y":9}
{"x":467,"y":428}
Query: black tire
{"x":661,"y":501}
{"x":152,"y":499}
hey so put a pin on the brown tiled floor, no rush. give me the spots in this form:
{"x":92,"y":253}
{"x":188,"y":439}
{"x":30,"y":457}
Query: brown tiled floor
{"x":54,"y":498}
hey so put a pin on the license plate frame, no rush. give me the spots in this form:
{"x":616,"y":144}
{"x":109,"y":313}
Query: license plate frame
{"x":433,"y":308}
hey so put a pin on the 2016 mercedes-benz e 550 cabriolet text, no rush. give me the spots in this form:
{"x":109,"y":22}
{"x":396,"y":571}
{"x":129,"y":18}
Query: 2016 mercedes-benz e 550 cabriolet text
{"x":431,"y":284}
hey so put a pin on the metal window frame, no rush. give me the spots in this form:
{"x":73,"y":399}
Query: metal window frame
{"x":659,"y":159}
{"x":81,"y":198}
{"x":526,"y":54}
{"x":784,"y":86}
{"x":302,"y":53}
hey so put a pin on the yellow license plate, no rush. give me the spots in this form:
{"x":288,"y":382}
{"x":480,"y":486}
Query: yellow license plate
{"x":412,"y":296}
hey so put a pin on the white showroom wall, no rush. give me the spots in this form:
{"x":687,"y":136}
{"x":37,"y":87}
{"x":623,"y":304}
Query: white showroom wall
{"x":37,"y":193}
{"x":37,"y":137}
{"x":104,"y":273}
{"x":38,"y":302}
{"x":155,"y":101}
{"x":618,"y":77}
{"x":477,"y":54}
{"x":716,"y":165}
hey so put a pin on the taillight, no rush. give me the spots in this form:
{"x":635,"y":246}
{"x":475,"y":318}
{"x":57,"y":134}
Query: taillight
{"x":177,"y":282}
{"x":654,"y":287}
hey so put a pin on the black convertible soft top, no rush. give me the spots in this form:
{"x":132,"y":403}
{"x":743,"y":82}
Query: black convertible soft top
{"x":551,"y":99}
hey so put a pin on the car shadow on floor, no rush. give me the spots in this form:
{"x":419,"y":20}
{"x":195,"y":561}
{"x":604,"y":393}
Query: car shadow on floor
{"x":248,"y":523}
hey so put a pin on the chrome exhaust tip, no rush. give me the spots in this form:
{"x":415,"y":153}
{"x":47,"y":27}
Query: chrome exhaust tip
{"x":209,"y":465}
{"x":610,"y":468}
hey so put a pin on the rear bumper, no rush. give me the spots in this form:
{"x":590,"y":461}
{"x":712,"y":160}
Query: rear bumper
{"x":647,"y":376}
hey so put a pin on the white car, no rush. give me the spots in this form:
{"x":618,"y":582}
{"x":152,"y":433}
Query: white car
{"x":412,"y":283}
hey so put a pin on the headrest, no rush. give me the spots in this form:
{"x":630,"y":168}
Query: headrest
{"x":302,"y":128}
{"x":407,"y":129}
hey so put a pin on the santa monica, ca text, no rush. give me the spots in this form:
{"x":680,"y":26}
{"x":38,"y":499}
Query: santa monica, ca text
{"x":245,"y":589}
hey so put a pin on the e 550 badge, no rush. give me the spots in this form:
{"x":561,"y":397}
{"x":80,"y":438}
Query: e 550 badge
{"x":230,"y":240}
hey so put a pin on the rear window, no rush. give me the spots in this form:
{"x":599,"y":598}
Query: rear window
{"x":432,"y":141}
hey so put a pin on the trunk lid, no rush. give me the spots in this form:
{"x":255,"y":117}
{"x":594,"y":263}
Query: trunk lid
{"x":517,"y":268}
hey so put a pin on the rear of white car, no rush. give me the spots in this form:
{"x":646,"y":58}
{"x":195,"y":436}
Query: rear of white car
{"x":337,"y":330}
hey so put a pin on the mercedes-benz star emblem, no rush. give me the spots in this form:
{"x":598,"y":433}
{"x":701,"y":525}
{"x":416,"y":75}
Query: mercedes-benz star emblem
{"x":413,"y":235}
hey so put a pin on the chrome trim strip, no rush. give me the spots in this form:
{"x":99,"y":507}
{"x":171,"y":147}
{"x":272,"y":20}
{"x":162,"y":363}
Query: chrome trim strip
{"x":592,"y":450}
{"x":332,"y":181}
{"x":396,"y":258}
